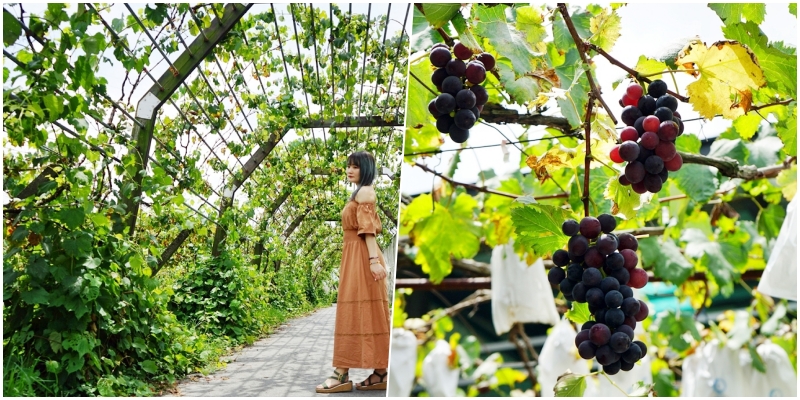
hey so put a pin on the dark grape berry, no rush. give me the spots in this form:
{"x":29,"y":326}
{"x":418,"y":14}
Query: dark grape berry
{"x":664,"y":174}
{"x":592,"y":277}
{"x":599,"y":334}
{"x":577,"y":246}
{"x":653,"y":164}
{"x":622,"y":275}
{"x":626,"y":330}
{"x":444,"y":122}
{"x":615,"y":261}
{"x":667,"y":101}
{"x":593,"y":258}
{"x":663,"y":114}
{"x":630,"y":306}
{"x":440,"y":56}
{"x":432,"y":109}
{"x":594,"y":296}
{"x":657,"y":88}
{"x":630,"y":322}
{"x":619,"y":342}
{"x":438,"y":76}
{"x":633,"y":353}
{"x":465,"y":99}
{"x":652,"y":183}
{"x":566,"y":287}
{"x":644,"y":311}
{"x":458,"y":135}
{"x":477,"y":113}
{"x":630,"y":257}
{"x":476,"y":73}
{"x":634,"y":171}
{"x":626,"y":291}
{"x":590,"y":227}
{"x":678,"y":121}
{"x":613,"y":300}
{"x":668,"y":130}
{"x":606,"y":244}
{"x":625,"y":366}
{"x":613,"y":368}
{"x":452,"y":85}
{"x":456,"y":67}
{"x":638,"y":187}
{"x":570,"y":227}
{"x":600,"y":314}
{"x":607,"y":222}
{"x":556,"y":275}
{"x":605,"y":355}
{"x":647,"y":105}
{"x":588,"y":325}
{"x":581,"y":337}
{"x":608,"y":284}
{"x":445,"y":103}
{"x":639,"y":125}
{"x":560,"y":258}
{"x":624,"y":181}
{"x":465,"y":119}
{"x":644,"y":153}
{"x":481,"y":95}
{"x":627,"y":241}
{"x":649,"y":140}
{"x":587,"y":350}
{"x":629,"y":150}
{"x":462,"y":52}
{"x":614,"y":317}
{"x":630,"y":114}
{"x":575,"y":272}
{"x":579,"y":292}
{"x":437,"y":45}
{"x":642,"y":347}
{"x":487,"y":60}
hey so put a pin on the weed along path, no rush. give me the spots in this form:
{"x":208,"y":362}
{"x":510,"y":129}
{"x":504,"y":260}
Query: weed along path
{"x":290,"y":362}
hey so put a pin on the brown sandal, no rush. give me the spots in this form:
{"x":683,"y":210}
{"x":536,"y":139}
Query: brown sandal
{"x":380,"y":385}
{"x":345,"y":385}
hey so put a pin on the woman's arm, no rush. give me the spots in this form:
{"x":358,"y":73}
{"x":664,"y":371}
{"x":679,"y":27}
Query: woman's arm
{"x":375,"y":261}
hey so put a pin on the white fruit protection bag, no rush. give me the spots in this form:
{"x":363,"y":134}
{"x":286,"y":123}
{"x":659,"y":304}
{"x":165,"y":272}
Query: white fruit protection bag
{"x":403,"y":363}
{"x":520,"y":293}
{"x":438,"y":378}
{"x":780,"y":276}
{"x":558,"y":355}
{"x":719,"y":371}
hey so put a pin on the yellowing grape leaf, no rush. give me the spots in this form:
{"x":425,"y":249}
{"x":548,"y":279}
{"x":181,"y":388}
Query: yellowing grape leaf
{"x":727,"y":72}
{"x":529,"y":22}
{"x":649,"y":67}
{"x":605,"y":28}
{"x":554,"y":158}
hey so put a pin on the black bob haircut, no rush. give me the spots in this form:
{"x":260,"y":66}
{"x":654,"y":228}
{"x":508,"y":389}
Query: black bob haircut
{"x":366,"y":164}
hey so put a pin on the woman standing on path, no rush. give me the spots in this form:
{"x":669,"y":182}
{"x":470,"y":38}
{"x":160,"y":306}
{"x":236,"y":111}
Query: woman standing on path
{"x":361,"y":336}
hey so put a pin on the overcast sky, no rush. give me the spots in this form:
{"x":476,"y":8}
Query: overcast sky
{"x":647,"y":29}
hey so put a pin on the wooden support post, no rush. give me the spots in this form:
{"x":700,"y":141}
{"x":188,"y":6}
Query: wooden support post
{"x":159,"y":93}
{"x":172,"y":248}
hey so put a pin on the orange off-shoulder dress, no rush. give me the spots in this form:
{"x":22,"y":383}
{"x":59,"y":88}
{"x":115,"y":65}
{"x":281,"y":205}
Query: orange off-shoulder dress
{"x":361,"y":336}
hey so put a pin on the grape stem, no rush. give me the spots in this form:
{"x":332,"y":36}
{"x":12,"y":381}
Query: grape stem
{"x":629,"y":70}
{"x":422,"y":83}
{"x":586,"y":67}
{"x":614,"y":384}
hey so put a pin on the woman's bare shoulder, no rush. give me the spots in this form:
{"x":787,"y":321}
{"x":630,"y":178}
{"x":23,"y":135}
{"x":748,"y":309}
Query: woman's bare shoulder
{"x":366,"y":195}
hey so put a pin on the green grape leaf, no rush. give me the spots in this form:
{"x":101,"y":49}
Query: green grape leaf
{"x":669,"y":263}
{"x":529,"y":21}
{"x":54,"y":106}
{"x":520,"y":90}
{"x":793,"y":9}
{"x":758,"y":362}
{"x":770,"y":220}
{"x":539,"y":227}
{"x":35,"y":296}
{"x":491,"y":24}
{"x":650,"y":67}
{"x":419,"y":96}
{"x":149,"y":366}
{"x":439,"y":14}
{"x":734,"y":12}
{"x":570,"y":385}
{"x":38,"y":267}
{"x":688,"y":144}
{"x":626,"y":200}
{"x":696,"y":181}
{"x":605,"y":27}
{"x":424,"y":36}
{"x":72,"y":217}
{"x":663,"y":383}
{"x":787,"y":132}
{"x":787,"y":180}
{"x":764,"y":151}
{"x":79,"y":246}
{"x":578,"y":313}
{"x":11,"y":28}
{"x":573,"y":79}
{"x":734,"y":149}
{"x":747,"y":125}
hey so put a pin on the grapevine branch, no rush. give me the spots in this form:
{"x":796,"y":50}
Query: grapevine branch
{"x":485,"y":189}
{"x":497,"y":114}
{"x":582,"y":51}
{"x":731,"y":168}
{"x":588,"y":158}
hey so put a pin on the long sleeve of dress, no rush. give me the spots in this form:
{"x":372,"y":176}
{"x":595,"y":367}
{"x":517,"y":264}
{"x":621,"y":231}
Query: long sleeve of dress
{"x":368,"y":221}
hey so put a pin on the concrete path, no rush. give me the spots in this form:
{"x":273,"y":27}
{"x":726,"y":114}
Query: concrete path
{"x":290,"y":362}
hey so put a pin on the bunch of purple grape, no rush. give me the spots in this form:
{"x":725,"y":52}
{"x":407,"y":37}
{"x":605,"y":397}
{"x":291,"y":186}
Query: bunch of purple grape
{"x":462,"y":97}
{"x":648,"y":142}
{"x":601,"y":271}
